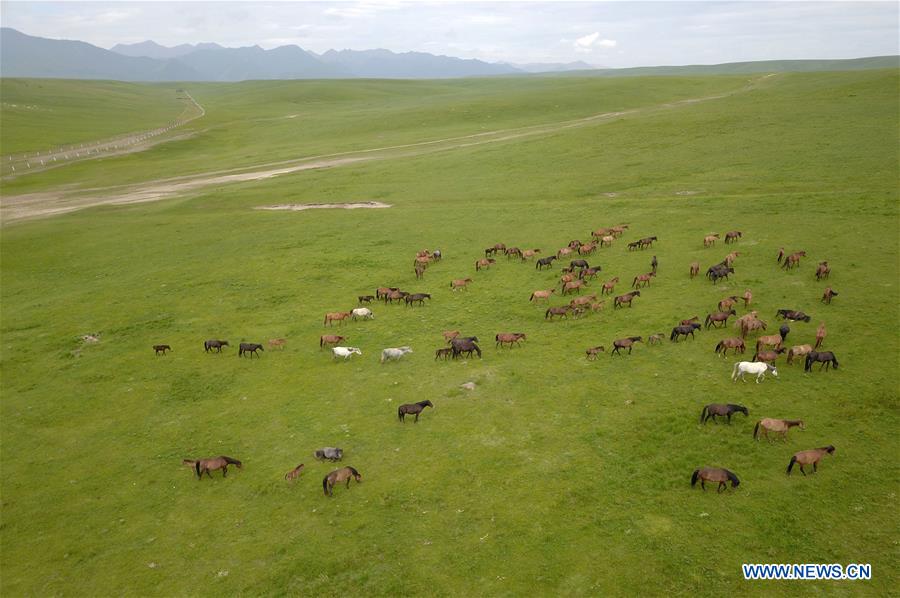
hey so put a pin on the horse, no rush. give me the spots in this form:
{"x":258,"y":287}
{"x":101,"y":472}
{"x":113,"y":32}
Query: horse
{"x":277,"y":342}
{"x":544,"y":261}
{"x":202,"y":466}
{"x":722,"y":410}
{"x":776,"y":425}
{"x":655,"y":339}
{"x":684,"y":330}
{"x":748,"y":298}
{"x":647,"y":242}
{"x":737,"y":344}
{"x":538,"y":295}
{"x":460,"y":283}
{"x":624,"y":343}
{"x":579,"y":264}
{"x":727,"y":303}
{"x":780,"y":255}
{"x":394,"y":353}
{"x":336,"y":316}
{"x":609,"y":286}
{"x":607,"y":241}
{"x":513,"y":251}
{"x":798,"y":351}
{"x":557,"y":311}
{"x":395,"y":296}
{"x":719,"y":316}
{"x":642,"y":280}
{"x":437,"y":255}
{"x":330,"y":339}
{"x":719,"y":271}
{"x":633,"y":246}
{"x":413,"y":409}
{"x":564,"y":252}
{"x":772,"y":340}
{"x":792,"y":315}
{"x":768,"y":356}
{"x":294,"y":473}
{"x":484,"y":263}
{"x":529,"y":253}
{"x":363,"y":312}
{"x":449,"y":335}
{"x":589,"y":272}
{"x":626,"y":298}
{"x":695,"y":269}
{"x":161,"y":349}
{"x":337,"y":476}
{"x":443,"y":353}
{"x":792,"y":260}
{"x":710,"y":240}
{"x":820,"y":335}
{"x":509,"y":338}
{"x":714,"y":474}
{"x":825,"y":359}
{"x":594,"y":351}
{"x":812,"y":456}
{"x":573,"y":286}
{"x":250,"y":348}
{"x":383,"y":292}
{"x":420,"y":272}
{"x":752,"y":367}
{"x":729,"y":259}
{"x":828,"y":295}
{"x":332,"y":453}
{"x":416,"y":298}
{"x":733,"y":236}
{"x":822,"y":270}
{"x":365,"y":299}
{"x":214,"y":344}
{"x":465,"y":345}
{"x":344,"y":352}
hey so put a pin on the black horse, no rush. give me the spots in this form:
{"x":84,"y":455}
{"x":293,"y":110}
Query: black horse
{"x":783,"y":330}
{"x":792,"y":314}
{"x":214,"y":344}
{"x":826,"y":359}
{"x":413,"y":409}
{"x":250,"y":348}
{"x":684,"y":330}
{"x":544,"y":261}
{"x":719,"y":271}
{"x":714,"y":409}
{"x":464,"y":345}
{"x":578,"y":264}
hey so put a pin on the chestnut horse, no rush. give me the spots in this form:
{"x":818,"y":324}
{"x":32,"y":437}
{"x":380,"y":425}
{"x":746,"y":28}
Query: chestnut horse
{"x":509,"y":338}
{"x":695,"y":269}
{"x":330,"y":339}
{"x":828,"y":295}
{"x":793,"y":260}
{"x":642,"y":280}
{"x":336,"y":316}
{"x":627,"y":298}
{"x":294,"y":473}
{"x":609,"y":286}
{"x":733,"y":236}
{"x":737,"y":344}
{"x":594,"y":351}
{"x":460,"y":283}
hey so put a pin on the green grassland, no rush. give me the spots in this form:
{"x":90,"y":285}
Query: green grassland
{"x":555,"y":475}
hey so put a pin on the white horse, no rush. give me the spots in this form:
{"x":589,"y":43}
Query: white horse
{"x":344,"y":352}
{"x":752,"y":367}
{"x":362,"y":312}
{"x":394,"y":353}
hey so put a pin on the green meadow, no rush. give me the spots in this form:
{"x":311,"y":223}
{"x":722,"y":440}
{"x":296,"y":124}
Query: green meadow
{"x":555,"y":475}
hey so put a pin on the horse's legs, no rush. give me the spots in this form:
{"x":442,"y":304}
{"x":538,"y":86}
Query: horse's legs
{"x":729,"y":419}
{"x":703,"y":484}
{"x":225,"y":471}
{"x":801,"y":469}
{"x":722,"y":486}
{"x":348,"y":483}
{"x":815,"y":466}
{"x":415,"y":422}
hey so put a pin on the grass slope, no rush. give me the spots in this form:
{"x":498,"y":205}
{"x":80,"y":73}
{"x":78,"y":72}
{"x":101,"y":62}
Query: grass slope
{"x":556,"y":475}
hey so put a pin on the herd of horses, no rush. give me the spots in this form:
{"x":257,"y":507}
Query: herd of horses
{"x":573,"y":281}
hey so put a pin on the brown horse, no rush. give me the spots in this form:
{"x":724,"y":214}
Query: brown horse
{"x":655,"y":339}
{"x":780,"y":426}
{"x":727,"y":303}
{"x":737,"y":344}
{"x":330,"y":339}
{"x":713,"y":410}
{"x":421,"y":262}
{"x":277,"y":342}
{"x":161,"y":349}
{"x":627,"y":298}
{"x":748,"y":298}
{"x":509,"y":338}
{"x":484,"y":263}
{"x":336,"y":316}
{"x":444,"y":353}
{"x":573,"y":286}
{"x":625,"y":343}
{"x":812,"y":456}
{"x":250,"y":349}
{"x":214,"y":344}
{"x":383,"y":292}
{"x":460,"y":283}
{"x":564,"y":252}
{"x":449,"y":335}
{"x":529,"y":253}
{"x":793,"y":260}
{"x":710,"y":240}
{"x":609,"y":286}
{"x":365,"y":299}
{"x":828,"y":295}
{"x":642,"y":280}
{"x":594,"y":351}
{"x":780,"y":255}
{"x":729,"y":259}
{"x":798,"y":351}
{"x":820,"y":335}
{"x":513,"y":252}
{"x":695,"y":269}
{"x":583,"y":300}
{"x":714,"y":474}
{"x":772,"y":340}
{"x":545,"y":295}
{"x":733,"y":236}
{"x":557,"y":311}
{"x":294,"y":473}
{"x":420,"y":272}
{"x":719,"y":317}
{"x":822,"y":270}
{"x":337,"y":476}
{"x":202,"y":466}
{"x":768,"y":356}
{"x":413,"y":409}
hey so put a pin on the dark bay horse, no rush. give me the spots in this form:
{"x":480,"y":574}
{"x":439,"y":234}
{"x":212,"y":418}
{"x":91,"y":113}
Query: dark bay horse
{"x":825,"y":359}
{"x":413,"y":409}
{"x":731,"y":343}
{"x":214,"y":344}
{"x":161,"y":349}
{"x":684,"y":330}
{"x":726,"y":410}
{"x":202,"y":466}
{"x":714,"y":474}
{"x":464,"y":345}
{"x":250,"y":348}
{"x":625,"y":343}
{"x":337,"y":476}
{"x":627,"y":298}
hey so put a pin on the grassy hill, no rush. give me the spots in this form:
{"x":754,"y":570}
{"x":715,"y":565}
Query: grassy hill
{"x":556,"y":475}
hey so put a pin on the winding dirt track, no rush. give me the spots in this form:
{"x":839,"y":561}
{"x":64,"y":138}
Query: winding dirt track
{"x":69,"y":199}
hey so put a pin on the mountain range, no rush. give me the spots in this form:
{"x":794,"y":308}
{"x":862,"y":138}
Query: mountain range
{"x":24,"y":55}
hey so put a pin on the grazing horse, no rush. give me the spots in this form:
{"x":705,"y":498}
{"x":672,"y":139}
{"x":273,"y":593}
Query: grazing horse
{"x":443,"y":353}
{"x":822,"y":270}
{"x":812,"y":456}
{"x":250,"y":348}
{"x":161,"y":349}
{"x":417,"y":298}
{"x":330,"y":339}
{"x":609,"y":286}
{"x":484,"y":263}
{"x":792,"y":260}
{"x":733,"y":236}
{"x":589,"y":272}
{"x":642,"y":280}
{"x":695,"y":269}
{"x":344,"y":352}
{"x":714,"y":474}
{"x":557,"y":311}
{"x":828,"y":295}
{"x":728,"y":302}
{"x":363,"y":312}
{"x":768,"y":356}
{"x":573,"y":286}
{"x":277,"y":342}
{"x":625,"y":343}
{"x":772,"y":340}
{"x":583,"y":300}
{"x":544,"y":261}
{"x":825,"y":359}
{"x":722,"y":410}
{"x":719,"y":317}
{"x":798,"y":351}
{"x":752,"y":367}
{"x":792,"y":315}
{"x":513,"y":251}
{"x":626,"y":298}
{"x":294,"y":473}
{"x":579,"y":264}
{"x":684,"y":330}
{"x":780,"y":426}
{"x":202,"y":466}
{"x":509,"y":338}
{"x":332,"y":453}
{"x":529,"y":253}
{"x":710,"y":240}
{"x":436,"y":255}
{"x":594,"y":351}
{"x":394,"y":353}
{"x":748,"y":298}
{"x":820,"y":335}
{"x":564,"y":252}
{"x":465,"y":345}
{"x":336,"y":316}
{"x":412,"y":409}
{"x":538,"y":295}
{"x":737,"y":344}
{"x":460,"y":283}
{"x":337,"y":476}
{"x":214,"y":344}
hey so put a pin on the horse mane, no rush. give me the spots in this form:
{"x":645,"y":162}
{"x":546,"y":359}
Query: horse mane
{"x":828,"y":449}
{"x":793,"y":422}
{"x":231,"y":461}
{"x":353,"y":471}
{"x":736,"y":407}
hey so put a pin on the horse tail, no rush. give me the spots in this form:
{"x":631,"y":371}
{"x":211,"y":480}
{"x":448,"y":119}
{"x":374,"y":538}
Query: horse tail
{"x":808,"y":364}
{"x":197,"y":467}
{"x":791,"y":464}
{"x":694,"y":477}
{"x":326,"y":320}
{"x":719,"y":346}
{"x":325,"y":485}
{"x":703,"y":413}
{"x":400,"y":413}
{"x":706,"y":323}
{"x":756,"y":430}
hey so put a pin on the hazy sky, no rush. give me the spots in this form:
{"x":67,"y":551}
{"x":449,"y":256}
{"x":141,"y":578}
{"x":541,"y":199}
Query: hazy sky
{"x":614,"y":34}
